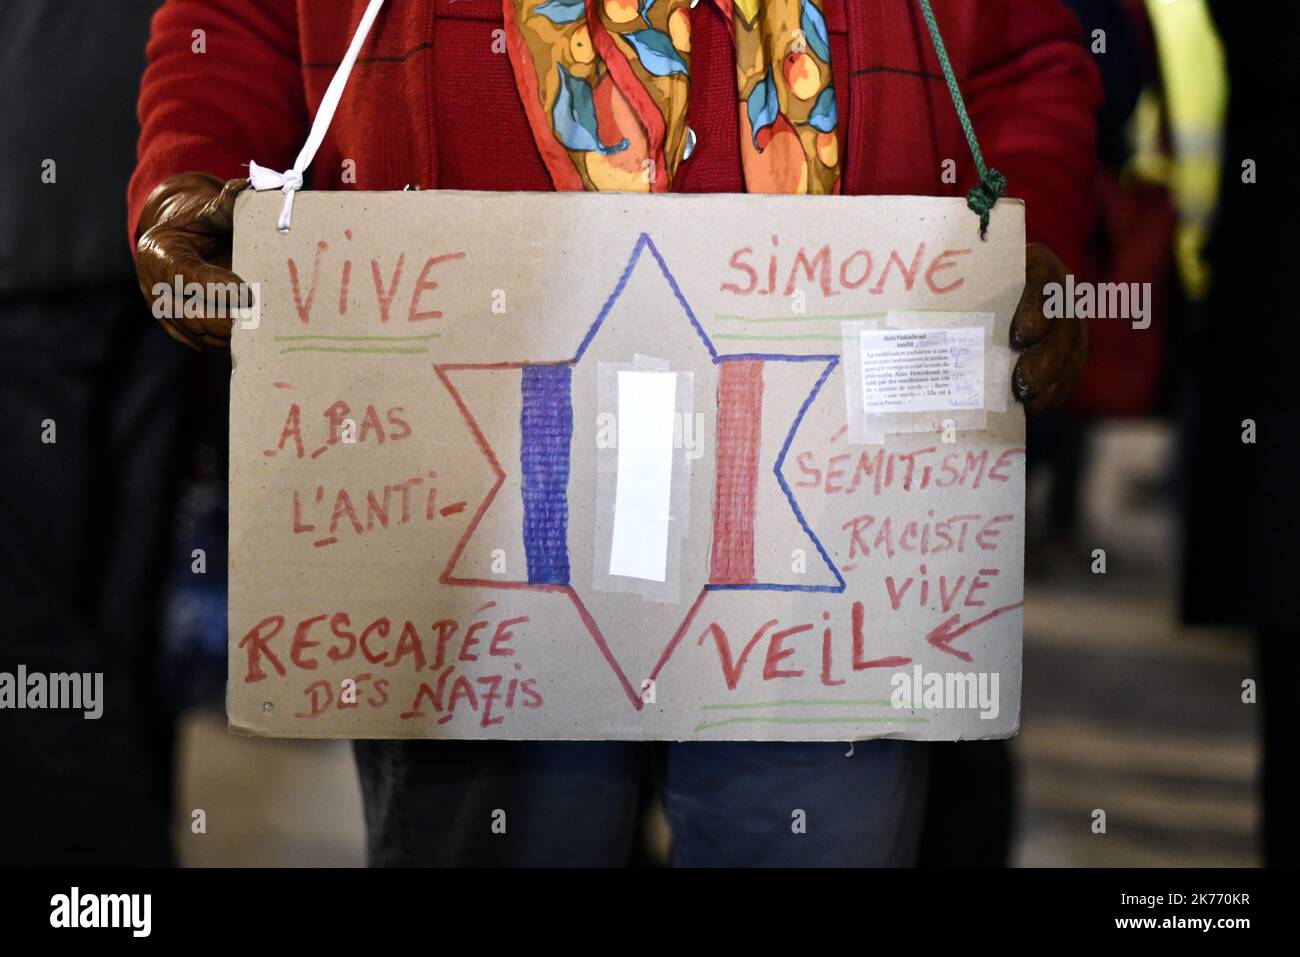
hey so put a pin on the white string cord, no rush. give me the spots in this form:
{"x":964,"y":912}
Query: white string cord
{"x":290,"y":181}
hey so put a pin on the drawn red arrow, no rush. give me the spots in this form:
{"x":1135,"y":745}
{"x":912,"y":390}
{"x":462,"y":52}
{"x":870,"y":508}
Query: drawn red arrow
{"x":943,"y":636}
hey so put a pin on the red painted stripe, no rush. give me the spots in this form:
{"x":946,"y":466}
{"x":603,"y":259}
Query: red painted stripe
{"x":740,"y":416}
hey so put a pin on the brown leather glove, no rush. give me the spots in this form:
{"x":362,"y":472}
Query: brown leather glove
{"x":185,"y":231}
{"x":1052,"y":351}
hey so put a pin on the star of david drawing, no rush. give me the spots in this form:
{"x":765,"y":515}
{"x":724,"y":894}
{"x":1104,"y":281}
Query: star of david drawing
{"x":539,"y":461}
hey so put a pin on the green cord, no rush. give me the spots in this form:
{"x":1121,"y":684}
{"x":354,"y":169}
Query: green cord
{"x":992,"y":184}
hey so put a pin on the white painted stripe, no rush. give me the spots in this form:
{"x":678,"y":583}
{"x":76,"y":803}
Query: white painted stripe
{"x":643,"y":495}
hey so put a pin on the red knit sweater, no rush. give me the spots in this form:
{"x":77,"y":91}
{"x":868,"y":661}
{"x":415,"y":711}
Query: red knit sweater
{"x":430,"y":102}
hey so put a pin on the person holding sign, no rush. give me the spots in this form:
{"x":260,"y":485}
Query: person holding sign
{"x":814,"y":97}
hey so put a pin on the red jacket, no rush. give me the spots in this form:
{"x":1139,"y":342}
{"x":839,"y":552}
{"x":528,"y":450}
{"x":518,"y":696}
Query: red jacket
{"x":430,"y":102}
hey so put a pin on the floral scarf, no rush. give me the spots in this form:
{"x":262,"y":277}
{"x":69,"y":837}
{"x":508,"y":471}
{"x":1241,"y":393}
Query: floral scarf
{"x":605,"y":86}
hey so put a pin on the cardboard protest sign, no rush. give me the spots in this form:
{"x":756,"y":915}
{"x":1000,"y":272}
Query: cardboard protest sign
{"x":614,"y":466}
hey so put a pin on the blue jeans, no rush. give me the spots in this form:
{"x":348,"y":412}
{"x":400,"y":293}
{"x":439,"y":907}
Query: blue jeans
{"x":575,"y":803}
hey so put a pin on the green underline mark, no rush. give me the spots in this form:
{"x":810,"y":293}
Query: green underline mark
{"x":425,"y":338}
{"x":770,"y":719}
{"x":767,"y":319}
{"x":795,"y":702}
{"x":358,"y":349}
{"x":811,"y":337}
{"x":373,"y":345}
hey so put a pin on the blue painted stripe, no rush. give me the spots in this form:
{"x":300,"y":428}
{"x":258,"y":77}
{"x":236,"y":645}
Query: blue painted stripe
{"x":546,"y":429}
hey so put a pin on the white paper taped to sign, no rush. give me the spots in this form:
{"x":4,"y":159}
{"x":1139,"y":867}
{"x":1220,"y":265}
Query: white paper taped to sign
{"x":646,"y":412}
{"x":922,"y":370}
